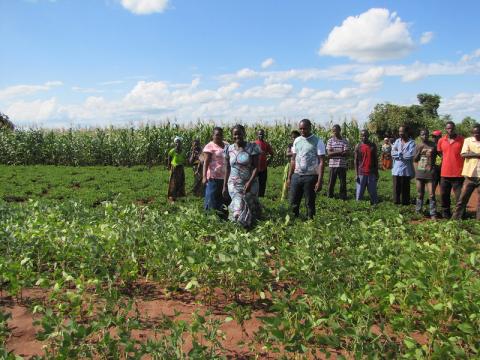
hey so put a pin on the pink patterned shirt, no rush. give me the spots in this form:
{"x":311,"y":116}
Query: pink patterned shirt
{"x":215,"y":167}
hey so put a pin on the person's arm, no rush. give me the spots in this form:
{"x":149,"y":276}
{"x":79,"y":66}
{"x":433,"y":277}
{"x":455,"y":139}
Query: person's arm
{"x":417,"y":155}
{"x":291,"y":170}
{"x":207,"y":158}
{"x":248,"y":185}
{"x":439,"y":147}
{"x":318,"y":185}
{"x":395,"y":153}
{"x":227,"y":173}
{"x":409,"y":151}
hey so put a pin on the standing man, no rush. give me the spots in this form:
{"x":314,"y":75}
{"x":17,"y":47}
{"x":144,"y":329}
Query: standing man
{"x":366,"y":168}
{"x":305,"y":177}
{"x":424,"y":159}
{"x":471,"y":171}
{"x":450,"y":147}
{"x":436,"y":136}
{"x":402,"y":171}
{"x":263,"y":161}
{"x":337,"y":150}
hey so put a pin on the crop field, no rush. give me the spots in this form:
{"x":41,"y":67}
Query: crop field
{"x":94,"y":263}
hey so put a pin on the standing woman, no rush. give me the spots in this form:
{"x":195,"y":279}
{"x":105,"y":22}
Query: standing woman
{"x":293,"y":135}
{"x":176,"y":164}
{"x":240,"y":181}
{"x":214,"y":172}
{"x":386,"y":154}
{"x":196,"y":160}
{"x":402,"y":153}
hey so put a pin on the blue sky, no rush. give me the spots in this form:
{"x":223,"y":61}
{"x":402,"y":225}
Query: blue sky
{"x":118,"y":62}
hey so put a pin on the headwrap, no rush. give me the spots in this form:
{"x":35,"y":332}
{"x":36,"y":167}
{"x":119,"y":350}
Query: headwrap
{"x":177,"y":139}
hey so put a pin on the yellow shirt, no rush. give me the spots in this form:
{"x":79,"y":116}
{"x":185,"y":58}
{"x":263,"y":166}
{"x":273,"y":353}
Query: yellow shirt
{"x":471,"y":167}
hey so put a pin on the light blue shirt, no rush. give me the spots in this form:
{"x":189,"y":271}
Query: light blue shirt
{"x":402,"y":154}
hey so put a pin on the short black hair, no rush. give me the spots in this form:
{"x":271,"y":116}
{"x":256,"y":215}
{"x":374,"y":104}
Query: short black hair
{"x":425,"y":130}
{"x":295,"y":132}
{"x":336,"y":126}
{"x":450,"y":122}
{"x":476,"y":126}
{"x":306,"y":121}
{"x":239,"y":127}
{"x":217,"y":128}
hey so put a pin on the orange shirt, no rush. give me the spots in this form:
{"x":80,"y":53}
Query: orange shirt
{"x":452,"y":161}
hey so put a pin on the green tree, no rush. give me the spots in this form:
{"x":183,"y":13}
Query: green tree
{"x":5,"y":122}
{"x":429,"y":103}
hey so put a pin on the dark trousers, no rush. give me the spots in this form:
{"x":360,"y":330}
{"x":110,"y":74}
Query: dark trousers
{"x":341,"y":173}
{"x":303,"y":185}
{"x":469,"y":185}
{"x":447,"y":184}
{"x":435,"y":178}
{"x":262,"y":183}
{"x":401,"y":190}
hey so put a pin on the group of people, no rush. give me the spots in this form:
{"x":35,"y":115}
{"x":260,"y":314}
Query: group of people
{"x":235,"y":175}
{"x":451,"y":161}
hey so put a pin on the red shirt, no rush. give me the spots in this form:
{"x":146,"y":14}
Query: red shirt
{"x":365,"y":160}
{"x":262,"y":158}
{"x":452,"y":161}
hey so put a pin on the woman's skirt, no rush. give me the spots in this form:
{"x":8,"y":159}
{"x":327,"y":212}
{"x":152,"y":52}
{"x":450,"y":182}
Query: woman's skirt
{"x":245,"y":207}
{"x":176,"y":184}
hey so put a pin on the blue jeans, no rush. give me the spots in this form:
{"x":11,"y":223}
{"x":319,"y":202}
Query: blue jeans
{"x":367,"y":182}
{"x":214,"y":197}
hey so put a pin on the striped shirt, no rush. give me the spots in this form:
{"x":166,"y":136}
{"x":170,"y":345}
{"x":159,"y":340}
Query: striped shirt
{"x":334,"y":144}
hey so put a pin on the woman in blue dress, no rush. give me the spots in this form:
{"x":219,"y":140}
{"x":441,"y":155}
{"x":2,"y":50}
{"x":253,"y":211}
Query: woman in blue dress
{"x":241,"y":182}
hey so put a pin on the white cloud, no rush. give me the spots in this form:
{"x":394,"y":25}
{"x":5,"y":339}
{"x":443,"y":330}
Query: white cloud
{"x":374,"y":35}
{"x":32,"y":111}
{"x":145,"y":7}
{"x":86,"y":90}
{"x":461,"y":105}
{"x":470,"y":57}
{"x":426,"y":37}
{"x":267,"y":63}
{"x":24,"y":90}
{"x":269,"y":91}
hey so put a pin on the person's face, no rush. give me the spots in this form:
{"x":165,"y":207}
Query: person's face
{"x":217,"y":136}
{"x":178,"y":144}
{"x":260,"y":134}
{"x":402,"y":133}
{"x":476,"y":133}
{"x":304,"y":128}
{"x":293,"y":137}
{"x":336,"y":131}
{"x":424,"y":135}
{"x":238,"y":136}
{"x":364,"y":136}
{"x":450,"y":129}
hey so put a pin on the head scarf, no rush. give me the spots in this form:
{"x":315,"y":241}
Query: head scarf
{"x":177,"y":139}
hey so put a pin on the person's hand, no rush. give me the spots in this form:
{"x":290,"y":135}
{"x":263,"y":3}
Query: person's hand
{"x":225,"y":192}
{"x":288,"y":182}
{"x":204,"y":180}
{"x":247,"y":187}
{"x":318,"y":186}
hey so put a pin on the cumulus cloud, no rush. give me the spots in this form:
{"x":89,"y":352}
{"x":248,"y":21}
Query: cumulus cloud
{"x":32,"y":111}
{"x":374,"y":35}
{"x":267,"y":63}
{"x":269,"y":91}
{"x":145,"y":7}
{"x":23,"y":90}
{"x":426,"y":37}
{"x":461,"y":105}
